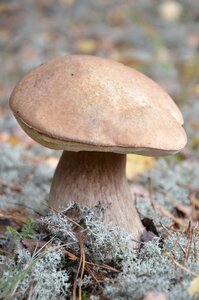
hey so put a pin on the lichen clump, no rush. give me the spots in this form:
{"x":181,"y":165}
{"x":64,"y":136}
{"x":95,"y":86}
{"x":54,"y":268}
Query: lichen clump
{"x":72,"y":253}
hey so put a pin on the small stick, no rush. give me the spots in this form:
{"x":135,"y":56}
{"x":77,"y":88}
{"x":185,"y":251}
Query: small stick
{"x":188,"y":247}
{"x":83,"y":267}
{"x":157,"y":207}
{"x":92,"y":275}
{"x":180,"y":266}
{"x":166,"y":229}
{"x":71,"y":220}
{"x":194,"y":200}
{"x":195,"y":251}
{"x":176,"y":244}
{"x":188,"y":231}
{"x":153,"y":203}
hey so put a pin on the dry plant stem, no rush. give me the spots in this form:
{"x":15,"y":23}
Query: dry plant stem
{"x":179,"y":265}
{"x":88,"y":178}
{"x":161,"y":210}
{"x":195,"y":251}
{"x":188,"y":247}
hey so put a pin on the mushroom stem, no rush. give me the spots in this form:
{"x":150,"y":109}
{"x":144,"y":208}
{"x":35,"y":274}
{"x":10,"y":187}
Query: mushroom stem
{"x":89,"y":178}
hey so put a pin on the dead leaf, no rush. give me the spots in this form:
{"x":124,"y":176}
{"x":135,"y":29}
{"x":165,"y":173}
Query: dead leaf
{"x":194,"y":287}
{"x":32,"y":244}
{"x":13,"y":140}
{"x":162,"y":211}
{"x":194,"y":200}
{"x":86,"y":46}
{"x":13,"y":218}
{"x":183,"y":211}
{"x":137,"y":164}
{"x":189,"y":213}
{"x":10,"y":139}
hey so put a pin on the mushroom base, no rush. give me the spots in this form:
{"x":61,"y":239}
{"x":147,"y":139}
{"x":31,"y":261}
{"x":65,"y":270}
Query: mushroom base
{"x":90,"y":178}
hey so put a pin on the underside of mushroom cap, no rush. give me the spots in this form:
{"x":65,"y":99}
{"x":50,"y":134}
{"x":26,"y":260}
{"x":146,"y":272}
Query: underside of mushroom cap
{"x":88,"y":103}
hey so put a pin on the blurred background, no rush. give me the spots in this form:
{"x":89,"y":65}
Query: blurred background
{"x":159,"y":38}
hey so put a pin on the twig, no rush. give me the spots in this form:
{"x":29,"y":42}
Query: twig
{"x":103,"y":266}
{"x":74,"y":257}
{"x":157,"y":207}
{"x":71,"y":220}
{"x":90,"y":272}
{"x":165,"y":228}
{"x":188,"y":247}
{"x":188,"y":230}
{"x":194,"y":200}
{"x":176,"y":244}
{"x":195,"y":251}
{"x":82,"y":251}
{"x":76,"y":277}
{"x":179,"y":265}
{"x":152,"y":200}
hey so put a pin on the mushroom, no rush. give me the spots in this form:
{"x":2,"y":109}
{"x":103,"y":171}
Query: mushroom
{"x":96,"y":111}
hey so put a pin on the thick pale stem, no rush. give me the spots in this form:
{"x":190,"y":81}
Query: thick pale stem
{"x":88,"y":178}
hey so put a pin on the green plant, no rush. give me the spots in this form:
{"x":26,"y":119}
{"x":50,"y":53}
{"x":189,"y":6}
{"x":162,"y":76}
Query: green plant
{"x":29,"y":230}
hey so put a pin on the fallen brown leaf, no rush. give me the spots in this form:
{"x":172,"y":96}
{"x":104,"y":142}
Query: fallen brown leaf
{"x":137,"y":164}
{"x":12,"y":217}
{"x":86,"y":46}
{"x":194,"y":287}
{"x":183,"y":211}
{"x":32,"y":244}
{"x":162,"y":211}
{"x":194,"y":200}
{"x":10,"y":139}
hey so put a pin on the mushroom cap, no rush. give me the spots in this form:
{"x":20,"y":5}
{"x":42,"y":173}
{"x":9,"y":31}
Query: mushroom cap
{"x":88,"y":103}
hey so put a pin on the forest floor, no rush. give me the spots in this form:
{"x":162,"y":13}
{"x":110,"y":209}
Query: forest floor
{"x":163,"y":42}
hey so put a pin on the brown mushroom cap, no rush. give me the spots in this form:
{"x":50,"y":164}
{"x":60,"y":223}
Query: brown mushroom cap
{"x":79,"y":102}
